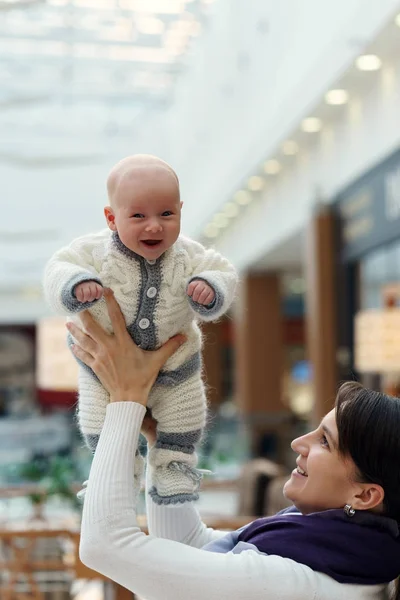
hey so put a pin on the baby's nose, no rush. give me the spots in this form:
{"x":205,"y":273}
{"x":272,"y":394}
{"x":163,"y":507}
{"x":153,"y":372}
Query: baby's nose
{"x":153,"y":225}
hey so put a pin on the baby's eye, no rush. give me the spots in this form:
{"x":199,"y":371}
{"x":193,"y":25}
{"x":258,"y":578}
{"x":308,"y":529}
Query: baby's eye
{"x":167,"y":213}
{"x":138,"y":216}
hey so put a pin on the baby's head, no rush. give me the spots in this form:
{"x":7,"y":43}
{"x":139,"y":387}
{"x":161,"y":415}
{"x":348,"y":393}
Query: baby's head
{"x":145,"y":206}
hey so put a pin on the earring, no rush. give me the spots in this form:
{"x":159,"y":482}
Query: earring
{"x":349,"y":511}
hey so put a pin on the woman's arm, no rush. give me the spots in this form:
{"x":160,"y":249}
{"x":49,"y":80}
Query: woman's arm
{"x":111,"y":541}
{"x":160,"y":569}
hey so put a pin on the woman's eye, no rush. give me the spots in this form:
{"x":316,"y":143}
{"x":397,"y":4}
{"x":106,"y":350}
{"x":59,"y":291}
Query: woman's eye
{"x":137,"y":216}
{"x":324,"y":441}
{"x":167,"y":213}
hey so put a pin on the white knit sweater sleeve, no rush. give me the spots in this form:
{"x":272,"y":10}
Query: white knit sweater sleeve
{"x":208,"y":265}
{"x":67,"y":268}
{"x":164,"y":569}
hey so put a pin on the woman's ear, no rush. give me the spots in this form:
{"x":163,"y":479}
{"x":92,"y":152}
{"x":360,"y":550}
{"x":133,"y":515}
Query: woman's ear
{"x":110,"y":218}
{"x":371,"y":496}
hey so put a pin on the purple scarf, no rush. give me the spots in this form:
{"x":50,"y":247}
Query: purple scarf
{"x":364,"y":549}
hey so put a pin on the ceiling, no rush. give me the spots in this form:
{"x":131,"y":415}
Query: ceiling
{"x":77,"y":73}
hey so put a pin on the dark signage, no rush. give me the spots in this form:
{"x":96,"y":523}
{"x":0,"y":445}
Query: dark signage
{"x":369,"y":209}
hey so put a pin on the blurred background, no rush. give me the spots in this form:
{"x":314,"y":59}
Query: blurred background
{"x":281,"y":120}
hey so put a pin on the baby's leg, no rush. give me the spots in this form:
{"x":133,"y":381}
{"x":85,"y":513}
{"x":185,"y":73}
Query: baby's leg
{"x":92,"y":405}
{"x":180,"y":412}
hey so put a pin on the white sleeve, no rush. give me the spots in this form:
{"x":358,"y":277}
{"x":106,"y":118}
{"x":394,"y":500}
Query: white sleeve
{"x":161,"y":569}
{"x":67,"y":268}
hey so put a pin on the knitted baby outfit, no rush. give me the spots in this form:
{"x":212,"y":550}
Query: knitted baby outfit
{"x":153,"y":298}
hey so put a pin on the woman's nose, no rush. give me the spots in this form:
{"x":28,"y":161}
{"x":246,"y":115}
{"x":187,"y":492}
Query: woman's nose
{"x":300,"y":445}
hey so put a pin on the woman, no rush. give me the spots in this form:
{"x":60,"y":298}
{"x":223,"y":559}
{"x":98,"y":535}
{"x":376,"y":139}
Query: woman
{"x":340,"y":542}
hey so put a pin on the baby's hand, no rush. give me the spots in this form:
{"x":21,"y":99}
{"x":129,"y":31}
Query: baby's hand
{"x":200,"y":292}
{"x":88,"y":291}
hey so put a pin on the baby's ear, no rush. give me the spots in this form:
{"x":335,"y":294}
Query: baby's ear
{"x":181,"y":203}
{"x":110,"y":218}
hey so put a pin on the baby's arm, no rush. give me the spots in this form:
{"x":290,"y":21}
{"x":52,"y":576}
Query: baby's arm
{"x":71,"y":281}
{"x":212,"y":271}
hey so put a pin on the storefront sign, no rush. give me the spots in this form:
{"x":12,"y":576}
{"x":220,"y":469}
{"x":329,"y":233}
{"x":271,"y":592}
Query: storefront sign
{"x":369,"y":209}
{"x":377,"y":341}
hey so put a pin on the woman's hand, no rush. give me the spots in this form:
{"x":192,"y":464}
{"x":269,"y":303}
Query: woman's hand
{"x":127,"y":372}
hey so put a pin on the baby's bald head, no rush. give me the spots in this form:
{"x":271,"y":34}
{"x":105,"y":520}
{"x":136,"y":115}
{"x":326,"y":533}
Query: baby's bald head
{"x":143,"y":169}
{"x":145,"y":207}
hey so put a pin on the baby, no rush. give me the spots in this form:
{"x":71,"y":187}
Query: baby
{"x":164,"y":284}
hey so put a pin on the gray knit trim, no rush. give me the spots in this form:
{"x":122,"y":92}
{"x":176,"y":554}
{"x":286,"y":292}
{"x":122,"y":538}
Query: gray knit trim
{"x":182,"y":373}
{"x":175,"y":499}
{"x":150,"y":274}
{"x":67,"y":293}
{"x":150,"y":277}
{"x":91,"y":440}
{"x":116,"y":240}
{"x":216,"y":305}
{"x":181,"y":442}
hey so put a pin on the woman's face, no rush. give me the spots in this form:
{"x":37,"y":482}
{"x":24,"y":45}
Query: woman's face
{"x":329,"y":479}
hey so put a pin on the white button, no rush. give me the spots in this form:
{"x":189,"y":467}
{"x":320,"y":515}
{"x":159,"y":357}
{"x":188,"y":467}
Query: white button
{"x":151,"y":292}
{"x":152,"y":261}
{"x":144,"y":323}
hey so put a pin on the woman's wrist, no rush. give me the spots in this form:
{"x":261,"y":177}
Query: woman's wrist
{"x":128,"y":397}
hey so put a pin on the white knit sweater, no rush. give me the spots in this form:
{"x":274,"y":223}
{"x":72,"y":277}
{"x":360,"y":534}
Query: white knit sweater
{"x":169,"y":311}
{"x":169,"y":564}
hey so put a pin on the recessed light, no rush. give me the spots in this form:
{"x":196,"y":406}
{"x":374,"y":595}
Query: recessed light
{"x":211,"y":231}
{"x":220,"y":220}
{"x":256,"y":183}
{"x":290,"y":148}
{"x":242,"y":197}
{"x":336,"y":97}
{"x":272,"y":167}
{"x":311,"y":125}
{"x":368,"y":62}
{"x":231,"y":210}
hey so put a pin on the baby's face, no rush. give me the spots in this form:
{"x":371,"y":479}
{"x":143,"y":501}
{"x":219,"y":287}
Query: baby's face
{"x":147,"y":211}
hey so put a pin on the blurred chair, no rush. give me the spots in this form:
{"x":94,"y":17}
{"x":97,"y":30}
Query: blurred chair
{"x":32,"y":565}
{"x":260,"y":488}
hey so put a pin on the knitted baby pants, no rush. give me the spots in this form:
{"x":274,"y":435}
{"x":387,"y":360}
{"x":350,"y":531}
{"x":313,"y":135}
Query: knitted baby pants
{"x":180,"y":411}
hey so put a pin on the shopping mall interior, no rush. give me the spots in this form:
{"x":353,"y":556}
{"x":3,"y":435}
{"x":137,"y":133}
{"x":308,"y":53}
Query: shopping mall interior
{"x":281,"y":121}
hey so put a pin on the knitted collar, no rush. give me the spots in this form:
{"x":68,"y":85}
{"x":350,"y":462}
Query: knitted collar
{"x":364,"y":549}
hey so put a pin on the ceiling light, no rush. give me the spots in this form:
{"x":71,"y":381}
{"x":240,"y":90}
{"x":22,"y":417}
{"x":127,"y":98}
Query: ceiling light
{"x":220,"y":220}
{"x":231,"y":210}
{"x":397,"y":20}
{"x":336,"y":97}
{"x":243,"y":198}
{"x":211,"y":231}
{"x":290,"y":148}
{"x":256,"y":183}
{"x":311,"y":125}
{"x":272,"y":167}
{"x":368,"y":62}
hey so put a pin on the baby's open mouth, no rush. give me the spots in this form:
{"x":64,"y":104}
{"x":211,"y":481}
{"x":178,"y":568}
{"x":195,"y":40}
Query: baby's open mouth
{"x":151,"y":242}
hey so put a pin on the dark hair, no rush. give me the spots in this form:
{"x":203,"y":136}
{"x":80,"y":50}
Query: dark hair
{"x":368,"y":425}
